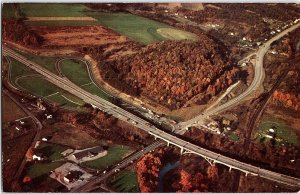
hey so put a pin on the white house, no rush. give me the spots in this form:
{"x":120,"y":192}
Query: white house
{"x":37,"y":156}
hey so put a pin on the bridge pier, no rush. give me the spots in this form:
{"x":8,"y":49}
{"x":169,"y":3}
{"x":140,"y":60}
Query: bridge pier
{"x":168,"y":143}
{"x":181,"y":150}
{"x":230,"y":169}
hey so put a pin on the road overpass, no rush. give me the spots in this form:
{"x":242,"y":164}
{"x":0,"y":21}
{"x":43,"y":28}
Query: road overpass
{"x":185,"y":146}
{"x":92,"y":184}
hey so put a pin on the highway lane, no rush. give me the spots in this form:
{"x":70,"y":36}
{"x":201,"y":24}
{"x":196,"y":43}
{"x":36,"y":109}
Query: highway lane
{"x":259,"y":75}
{"x":91,"y":185}
{"x":140,"y":123}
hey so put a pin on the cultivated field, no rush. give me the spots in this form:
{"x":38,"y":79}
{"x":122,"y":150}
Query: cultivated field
{"x":137,"y":28}
{"x":70,"y":36}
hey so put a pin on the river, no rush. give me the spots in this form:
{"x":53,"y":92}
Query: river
{"x":169,"y":166}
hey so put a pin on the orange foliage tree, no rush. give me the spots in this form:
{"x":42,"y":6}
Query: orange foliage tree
{"x":147,"y":171}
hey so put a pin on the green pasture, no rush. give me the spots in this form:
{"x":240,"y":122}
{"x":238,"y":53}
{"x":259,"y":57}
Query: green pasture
{"x":125,"y":182}
{"x":115,"y":153}
{"x":283,"y":132}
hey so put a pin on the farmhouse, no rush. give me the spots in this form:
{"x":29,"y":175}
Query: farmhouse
{"x":37,"y":156}
{"x":89,"y":154}
{"x":70,"y":175}
{"x":73,"y":176}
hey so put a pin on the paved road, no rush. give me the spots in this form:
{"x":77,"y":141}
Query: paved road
{"x":259,"y":75}
{"x":15,"y":182}
{"x":91,"y":185}
{"x":144,"y":125}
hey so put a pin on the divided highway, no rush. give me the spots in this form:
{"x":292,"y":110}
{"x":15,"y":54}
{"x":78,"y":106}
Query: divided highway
{"x":144,"y":125}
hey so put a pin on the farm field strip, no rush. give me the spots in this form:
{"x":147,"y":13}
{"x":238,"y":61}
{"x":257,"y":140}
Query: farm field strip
{"x":137,"y":28}
{"x":53,"y":9}
{"x":78,"y":18}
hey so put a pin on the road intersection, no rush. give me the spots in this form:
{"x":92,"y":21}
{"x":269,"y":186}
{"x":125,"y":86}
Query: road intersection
{"x":170,"y":138}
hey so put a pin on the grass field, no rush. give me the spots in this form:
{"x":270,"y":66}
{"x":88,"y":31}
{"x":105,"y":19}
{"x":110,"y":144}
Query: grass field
{"x":39,"y":169}
{"x":8,"y":11}
{"x":175,"y":34}
{"x":46,"y":62}
{"x":283,"y":133}
{"x":18,"y":69}
{"x":43,"y":88}
{"x":115,"y":153}
{"x":45,"y":9}
{"x":125,"y":182}
{"x":51,"y":151}
{"x":12,"y":110}
{"x":233,"y":136}
{"x":135,"y":27}
{"x":76,"y":71}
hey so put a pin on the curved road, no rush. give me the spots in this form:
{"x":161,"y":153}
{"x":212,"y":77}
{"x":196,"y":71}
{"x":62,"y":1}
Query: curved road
{"x":259,"y":75}
{"x":144,"y":125}
{"x":39,"y":125}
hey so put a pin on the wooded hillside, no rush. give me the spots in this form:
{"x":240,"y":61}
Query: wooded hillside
{"x":172,"y":73}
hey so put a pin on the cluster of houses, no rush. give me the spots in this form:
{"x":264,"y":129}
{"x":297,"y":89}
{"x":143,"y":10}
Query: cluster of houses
{"x":70,"y":175}
{"x":87,"y":154}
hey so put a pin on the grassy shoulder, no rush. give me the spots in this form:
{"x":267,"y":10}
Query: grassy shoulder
{"x":76,"y":71}
{"x":115,"y":153}
{"x":125,"y":181}
{"x":41,"y":87}
{"x":46,"y":62}
{"x":18,"y":69}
